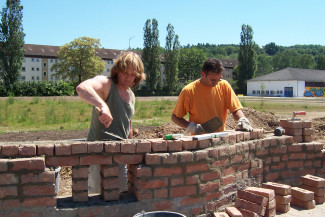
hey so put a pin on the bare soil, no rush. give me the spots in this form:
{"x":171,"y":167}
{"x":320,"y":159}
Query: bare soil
{"x":267,"y":121}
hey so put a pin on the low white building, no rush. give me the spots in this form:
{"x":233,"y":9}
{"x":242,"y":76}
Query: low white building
{"x":289,"y":82}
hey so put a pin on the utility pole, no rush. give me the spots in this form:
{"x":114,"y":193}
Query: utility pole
{"x":129,"y":42}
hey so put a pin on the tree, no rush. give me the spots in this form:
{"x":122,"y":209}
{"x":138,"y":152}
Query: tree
{"x":264,"y":64}
{"x":150,"y":55}
{"x":78,"y":60}
{"x":284,"y":59}
{"x":271,"y":48}
{"x":321,"y":62}
{"x":11,"y":42}
{"x":190,"y":63}
{"x":246,"y":58}
{"x":171,"y":59}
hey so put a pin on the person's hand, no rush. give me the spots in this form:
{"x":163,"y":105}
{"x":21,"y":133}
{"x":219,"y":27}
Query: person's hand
{"x":105,"y":116}
{"x":243,"y":124}
{"x":194,"y":128}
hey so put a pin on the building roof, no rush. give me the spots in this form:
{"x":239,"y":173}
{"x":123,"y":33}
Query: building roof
{"x":229,"y":63}
{"x":293,"y":74}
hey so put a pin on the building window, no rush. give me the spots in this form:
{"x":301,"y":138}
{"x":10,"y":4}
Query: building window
{"x":37,"y":60}
{"x":33,"y":69}
{"x":258,"y":92}
{"x":51,"y":77}
{"x":33,"y":78}
{"x":44,"y":73}
{"x":267,"y":92}
{"x":37,"y":69}
{"x":23,"y":78}
{"x":37,"y":78}
{"x":44,"y":64}
{"x":254,"y":92}
{"x":23,"y":69}
{"x":281,"y":91}
{"x":32,"y":59}
{"x":272,"y":92}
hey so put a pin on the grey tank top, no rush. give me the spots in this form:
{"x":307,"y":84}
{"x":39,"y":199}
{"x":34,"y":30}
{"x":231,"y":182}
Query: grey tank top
{"x":122,"y":113}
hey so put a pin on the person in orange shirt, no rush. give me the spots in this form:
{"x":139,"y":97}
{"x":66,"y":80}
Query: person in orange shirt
{"x":206,"y":98}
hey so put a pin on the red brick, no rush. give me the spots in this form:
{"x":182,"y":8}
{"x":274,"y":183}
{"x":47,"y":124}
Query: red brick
{"x":62,"y":149}
{"x":3,"y":165}
{"x":160,"y":193}
{"x":112,"y":147}
{"x":163,"y":205}
{"x":79,"y":172}
{"x":141,"y":170}
{"x":10,"y":150}
{"x":233,"y":212}
{"x":108,"y":171}
{"x":270,"y":212}
{"x":190,"y":180}
{"x":170,"y":171}
{"x":151,"y":159}
{"x":62,"y":161}
{"x":80,"y":185}
{"x":297,"y":139}
{"x":39,"y":190}
{"x":95,"y":147}
{"x":252,"y":197}
{"x":307,"y":138}
{"x":319,"y":199}
{"x":143,"y":194}
{"x":228,"y":171}
{"x":45,"y":149}
{"x":170,"y":158}
{"x":306,"y":124}
{"x":36,"y":163}
{"x":9,"y":204}
{"x":203,"y":144}
{"x":295,"y":148}
{"x":151,"y":184}
{"x":303,"y":204}
{"x":244,"y":204}
{"x":293,"y":131}
{"x":8,"y":191}
{"x":302,"y":194}
{"x":47,"y":176}
{"x":95,"y":159}
{"x":290,"y":124}
{"x":227,"y":180}
{"x":27,"y":150}
{"x":110,"y":183}
{"x":268,"y":193}
{"x":271,"y":204}
{"x":188,"y":143}
{"x":128,"y":147}
{"x":143,"y":147}
{"x":317,"y":191}
{"x":248,"y":213}
{"x":283,"y":208}
{"x":307,"y":131}
{"x":79,"y":148}
{"x":80,"y":196}
{"x":282,"y":199}
{"x":39,"y":202}
{"x":182,"y":191}
{"x":174,"y":145}
{"x":295,"y":164}
{"x":280,"y":189}
{"x":208,"y":176}
{"x":128,"y":158}
{"x":197,"y":168}
{"x":313,"y":181}
{"x":201,"y":155}
{"x":208,"y":187}
{"x":220,"y":214}
{"x":189,"y":201}
{"x":158,"y":145}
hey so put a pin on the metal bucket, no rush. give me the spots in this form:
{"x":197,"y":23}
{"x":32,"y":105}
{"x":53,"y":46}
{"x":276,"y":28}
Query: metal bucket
{"x":158,"y":214}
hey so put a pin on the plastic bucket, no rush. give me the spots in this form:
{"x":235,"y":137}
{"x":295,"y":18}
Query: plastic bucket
{"x":159,"y":214}
{"x":57,"y":179}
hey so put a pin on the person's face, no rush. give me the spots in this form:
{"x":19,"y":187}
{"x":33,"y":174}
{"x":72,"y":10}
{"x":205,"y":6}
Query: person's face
{"x":211,"y":79}
{"x":126,"y":79}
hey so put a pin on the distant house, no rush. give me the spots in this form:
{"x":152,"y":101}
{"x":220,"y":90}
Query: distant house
{"x":289,"y":82}
{"x":40,"y":58}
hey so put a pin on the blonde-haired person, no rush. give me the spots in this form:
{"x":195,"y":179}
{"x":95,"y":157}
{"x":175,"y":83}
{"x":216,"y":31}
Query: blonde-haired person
{"x":115,"y":99}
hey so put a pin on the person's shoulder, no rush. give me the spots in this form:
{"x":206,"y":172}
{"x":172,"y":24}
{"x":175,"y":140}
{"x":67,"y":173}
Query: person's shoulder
{"x":223,"y":82}
{"x":191,"y":85}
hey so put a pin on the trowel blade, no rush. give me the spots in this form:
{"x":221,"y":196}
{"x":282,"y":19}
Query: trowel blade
{"x":212,"y":125}
{"x":113,"y":135}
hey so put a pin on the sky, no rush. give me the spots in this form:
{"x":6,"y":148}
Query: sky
{"x":119,"y":23}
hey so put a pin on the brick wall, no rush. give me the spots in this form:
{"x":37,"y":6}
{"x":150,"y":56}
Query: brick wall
{"x":185,"y":176}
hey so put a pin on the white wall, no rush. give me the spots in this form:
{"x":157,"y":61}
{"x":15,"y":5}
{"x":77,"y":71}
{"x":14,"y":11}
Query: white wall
{"x":275,"y":88}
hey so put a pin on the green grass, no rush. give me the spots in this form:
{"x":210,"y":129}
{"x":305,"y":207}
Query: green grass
{"x":41,"y":113}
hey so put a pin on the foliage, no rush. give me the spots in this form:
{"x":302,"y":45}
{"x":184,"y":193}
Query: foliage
{"x":11,"y":42}
{"x":190,"y":63}
{"x":264,"y":65}
{"x":43,"y":88}
{"x":246,"y":58}
{"x":171,"y":59}
{"x":271,"y":48}
{"x":320,"y":62}
{"x":78,"y":60}
{"x":151,"y":55}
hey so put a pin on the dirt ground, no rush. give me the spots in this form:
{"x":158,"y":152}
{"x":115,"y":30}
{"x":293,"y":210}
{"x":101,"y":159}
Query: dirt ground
{"x":267,"y":121}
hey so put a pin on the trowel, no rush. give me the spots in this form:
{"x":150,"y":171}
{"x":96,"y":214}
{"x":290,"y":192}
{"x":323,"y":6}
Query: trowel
{"x":212,"y":125}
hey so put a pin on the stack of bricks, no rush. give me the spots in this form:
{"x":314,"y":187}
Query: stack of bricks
{"x":299,"y":129}
{"x":282,"y":195}
{"x":302,"y":198}
{"x":270,"y":195}
{"x":316,"y":185}
{"x":250,"y":203}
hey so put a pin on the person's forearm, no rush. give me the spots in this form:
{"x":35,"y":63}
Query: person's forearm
{"x":179,"y":121}
{"x":89,"y":95}
{"x":238,"y":114}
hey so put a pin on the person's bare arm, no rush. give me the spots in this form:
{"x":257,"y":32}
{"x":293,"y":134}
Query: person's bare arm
{"x":94,"y":91}
{"x":180,"y":121}
{"x":238,"y":114}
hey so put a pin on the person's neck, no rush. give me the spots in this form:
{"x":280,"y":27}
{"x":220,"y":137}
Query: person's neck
{"x":122,"y":88}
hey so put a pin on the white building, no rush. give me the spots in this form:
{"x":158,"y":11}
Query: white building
{"x":289,"y":82}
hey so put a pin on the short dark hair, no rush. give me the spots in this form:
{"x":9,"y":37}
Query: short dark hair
{"x":212,"y":65}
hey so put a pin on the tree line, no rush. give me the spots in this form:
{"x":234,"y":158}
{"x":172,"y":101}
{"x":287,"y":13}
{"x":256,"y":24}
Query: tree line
{"x":182,"y":64}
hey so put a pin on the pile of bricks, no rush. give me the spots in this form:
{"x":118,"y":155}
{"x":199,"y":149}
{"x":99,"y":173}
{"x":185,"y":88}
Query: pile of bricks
{"x":282,"y":195}
{"x":300,"y":130}
{"x":316,"y":185}
{"x":270,"y":195}
{"x":302,"y":198}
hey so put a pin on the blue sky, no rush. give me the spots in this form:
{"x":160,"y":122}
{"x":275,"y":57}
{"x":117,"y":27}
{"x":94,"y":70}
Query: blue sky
{"x":114,"y":22}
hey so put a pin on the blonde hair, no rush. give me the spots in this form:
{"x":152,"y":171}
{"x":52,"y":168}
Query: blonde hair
{"x":121,"y":64}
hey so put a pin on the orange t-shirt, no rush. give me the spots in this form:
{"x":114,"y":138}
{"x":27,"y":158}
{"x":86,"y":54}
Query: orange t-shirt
{"x":204,"y":103}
